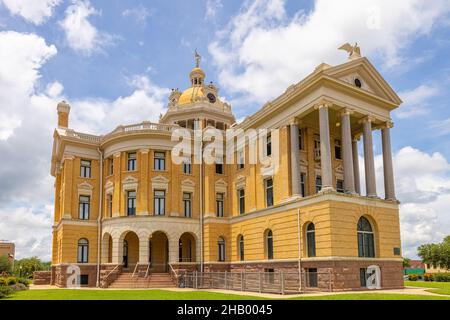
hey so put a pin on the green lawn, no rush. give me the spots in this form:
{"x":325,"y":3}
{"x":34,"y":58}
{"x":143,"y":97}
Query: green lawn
{"x":437,"y":287}
{"x":67,"y":294}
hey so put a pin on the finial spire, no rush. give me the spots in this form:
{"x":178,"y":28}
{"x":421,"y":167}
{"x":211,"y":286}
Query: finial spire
{"x":197,"y":59}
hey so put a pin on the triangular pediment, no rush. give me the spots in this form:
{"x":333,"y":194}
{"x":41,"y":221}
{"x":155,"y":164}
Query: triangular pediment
{"x":370,"y":79}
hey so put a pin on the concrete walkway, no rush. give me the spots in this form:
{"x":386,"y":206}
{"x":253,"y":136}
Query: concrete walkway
{"x":406,"y":290}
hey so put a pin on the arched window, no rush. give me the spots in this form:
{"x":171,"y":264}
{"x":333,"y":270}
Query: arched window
{"x":366,"y":244}
{"x":311,"y":239}
{"x":269,"y":244}
{"x":241,"y":247}
{"x":221,"y":248}
{"x":83,"y":250}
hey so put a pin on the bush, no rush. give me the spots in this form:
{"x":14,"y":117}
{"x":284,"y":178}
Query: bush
{"x":412,"y":277}
{"x":5,"y":291}
{"x":428,"y":277}
{"x":11,"y":281}
{"x":18,"y":287}
{"x":442,"y":277}
{"x":24,"y":281}
{"x":3,"y":282}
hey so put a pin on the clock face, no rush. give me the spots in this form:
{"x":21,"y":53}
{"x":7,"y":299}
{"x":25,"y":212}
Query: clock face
{"x":211,"y":97}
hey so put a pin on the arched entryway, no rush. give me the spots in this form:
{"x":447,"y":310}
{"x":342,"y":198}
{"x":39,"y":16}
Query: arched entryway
{"x":107,"y":248}
{"x":130,"y":252}
{"x":186,"y":248}
{"x":159,"y":252}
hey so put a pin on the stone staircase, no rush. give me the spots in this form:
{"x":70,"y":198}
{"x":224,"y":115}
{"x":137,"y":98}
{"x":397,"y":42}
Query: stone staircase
{"x":154,"y":280}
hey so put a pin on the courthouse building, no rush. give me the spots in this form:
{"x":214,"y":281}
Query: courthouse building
{"x":123,"y":205}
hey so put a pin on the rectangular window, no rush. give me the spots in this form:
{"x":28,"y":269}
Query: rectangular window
{"x":241,"y":198}
{"x":187,"y":204}
{"x":83,"y":253}
{"x":85,"y":169}
{"x":269,"y":192}
{"x":240,"y":159}
{"x":219,"y":165}
{"x":110,"y":204}
{"x":187,"y":169}
{"x":303,"y":184}
{"x":269,"y":145}
{"x":318,"y":184}
{"x":337,"y":149}
{"x":270,"y":275}
{"x":111,"y":166}
{"x":84,"y":279}
{"x":84,"y":205}
{"x":219,"y":204}
{"x":131,"y":161}
{"x":363,"y":277}
{"x":301,"y":139}
{"x":340,"y":185}
{"x":160,"y":161}
{"x":131,"y":203}
{"x":159,"y":202}
{"x":311,"y":278}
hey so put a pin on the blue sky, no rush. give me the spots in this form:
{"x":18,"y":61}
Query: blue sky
{"x":115,"y":62}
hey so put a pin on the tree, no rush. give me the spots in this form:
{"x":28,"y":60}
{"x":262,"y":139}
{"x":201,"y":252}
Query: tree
{"x":406,"y":262}
{"x":5,"y":264}
{"x":436,"y":254}
{"x":25,"y":267}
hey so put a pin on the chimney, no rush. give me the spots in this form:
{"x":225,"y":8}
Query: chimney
{"x":63,"y":114}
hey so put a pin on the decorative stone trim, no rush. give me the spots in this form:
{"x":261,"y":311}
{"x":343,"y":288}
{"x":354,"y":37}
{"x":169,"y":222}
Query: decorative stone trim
{"x":85,"y":189}
{"x":240,"y":182}
{"x":221,"y":186}
{"x":187,"y":185}
{"x":129,"y":183}
{"x":109,"y":188}
{"x":160,"y":182}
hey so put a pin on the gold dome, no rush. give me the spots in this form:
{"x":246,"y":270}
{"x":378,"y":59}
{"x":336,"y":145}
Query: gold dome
{"x":197,"y":71}
{"x":191,"y":95}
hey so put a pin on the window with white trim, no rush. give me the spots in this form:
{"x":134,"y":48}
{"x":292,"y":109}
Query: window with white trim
{"x":131,"y":161}
{"x":85,"y":169}
{"x":187,"y":204}
{"x":84,"y":207}
{"x":219,"y":204}
{"x":159,"y":202}
{"x":160,"y":161}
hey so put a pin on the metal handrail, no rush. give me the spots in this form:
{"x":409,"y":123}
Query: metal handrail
{"x":135,"y":268}
{"x":148,"y":269}
{"x":173,"y":271}
{"x":114,"y":269}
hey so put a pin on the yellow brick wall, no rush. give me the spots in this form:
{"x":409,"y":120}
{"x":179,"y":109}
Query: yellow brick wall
{"x":70,"y":235}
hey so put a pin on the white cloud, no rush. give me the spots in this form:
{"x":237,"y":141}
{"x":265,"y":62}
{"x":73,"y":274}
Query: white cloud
{"x":139,"y":14}
{"x":422,"y":184}
{"x":441,"y":127}
{"x":212,"y":8}
{"x":28,"y":118}
{"x":81,"y":35}
{"x":35,"y":11}
{"x":415,"y":102}
{"x":262,"y":51}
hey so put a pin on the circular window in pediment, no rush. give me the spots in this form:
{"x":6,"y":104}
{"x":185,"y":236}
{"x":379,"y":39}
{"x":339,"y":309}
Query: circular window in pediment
{"x":358,"y":83}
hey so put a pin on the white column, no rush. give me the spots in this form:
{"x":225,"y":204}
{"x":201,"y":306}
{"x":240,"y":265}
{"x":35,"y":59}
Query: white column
{"x":369,"y":161}
{"x":349,"y":179}
{"x":356,"y":165}
{"x":144,"y":243}
{"x":173,"y":250}
{"x":325,"y":148}
{"x":389,"y":187}
{"x":295,"y":160}
{"x":117,"y":251}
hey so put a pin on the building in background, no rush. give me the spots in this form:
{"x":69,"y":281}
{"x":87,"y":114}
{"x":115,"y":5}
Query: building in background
{"x":7,"y":248}
{"x":122,"y":206}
